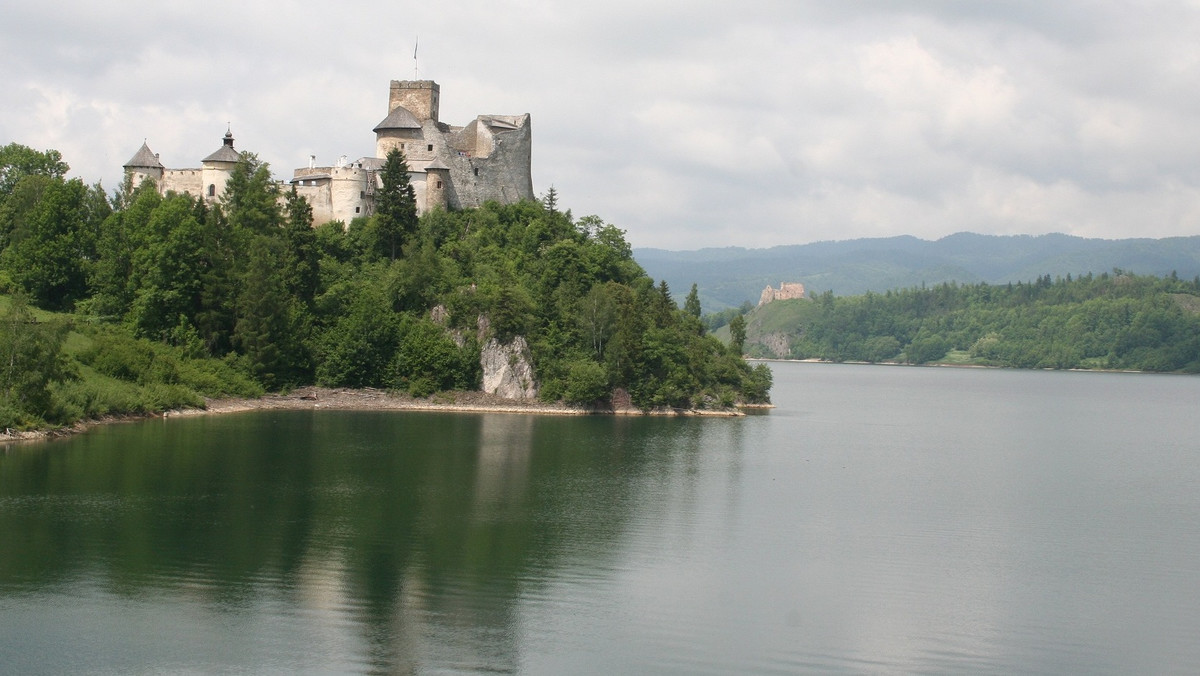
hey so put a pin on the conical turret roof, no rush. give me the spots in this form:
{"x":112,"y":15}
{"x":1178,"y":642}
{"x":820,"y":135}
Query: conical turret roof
{"x":400,"y":118}
{"x":225,"y":153}
{"x":144,"y":158}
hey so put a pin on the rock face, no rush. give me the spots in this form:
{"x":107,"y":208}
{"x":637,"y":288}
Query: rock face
{"x":777,"y":345}
{"x":786,"y":291}
{"x":508,"y":369}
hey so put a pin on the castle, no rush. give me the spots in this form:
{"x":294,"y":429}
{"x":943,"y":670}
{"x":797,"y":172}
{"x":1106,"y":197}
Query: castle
{"x":786,"y":291}
{"x":449,"y":167}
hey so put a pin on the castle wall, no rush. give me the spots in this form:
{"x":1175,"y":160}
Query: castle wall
{"x":181,"y":181}
{"x":498,"y":169}
{"x":407,"y":140}
{"x":319,"y":198}
{"x":488,"y":159}
{"x":139,"y":176}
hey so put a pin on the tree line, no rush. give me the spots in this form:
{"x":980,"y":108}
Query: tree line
{"x":1112,"y":320}
{"x":245,"y":294}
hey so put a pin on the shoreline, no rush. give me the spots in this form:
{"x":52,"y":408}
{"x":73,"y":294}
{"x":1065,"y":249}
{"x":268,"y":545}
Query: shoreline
{"x":948,"y":365}
{"x":366,"y":399}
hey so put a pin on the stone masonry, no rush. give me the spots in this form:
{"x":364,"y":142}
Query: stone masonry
{"x":786,"y":291}
{"x":450,"y":167}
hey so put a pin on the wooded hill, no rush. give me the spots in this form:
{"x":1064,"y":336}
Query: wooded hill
{"x":1106,"y":321}
{"x":192,"y":299}
{"x":727,"y":277}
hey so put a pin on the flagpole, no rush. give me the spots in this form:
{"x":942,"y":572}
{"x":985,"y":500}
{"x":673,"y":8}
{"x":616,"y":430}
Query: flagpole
{"x":416,"y":43}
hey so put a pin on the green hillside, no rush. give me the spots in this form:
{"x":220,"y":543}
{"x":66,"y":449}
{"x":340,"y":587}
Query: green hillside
{"x":726,"y":277}
{"x":1107,"y":321}
{"x":182,"y":299}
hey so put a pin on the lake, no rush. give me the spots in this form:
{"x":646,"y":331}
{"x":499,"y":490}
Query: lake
{"x":880,"y":519}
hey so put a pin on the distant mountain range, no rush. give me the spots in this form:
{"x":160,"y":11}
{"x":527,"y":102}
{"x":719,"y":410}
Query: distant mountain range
{"x":729,"y":276}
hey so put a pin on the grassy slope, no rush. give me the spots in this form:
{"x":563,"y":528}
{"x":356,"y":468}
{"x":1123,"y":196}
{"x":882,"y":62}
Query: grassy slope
{"x":116,"y":374}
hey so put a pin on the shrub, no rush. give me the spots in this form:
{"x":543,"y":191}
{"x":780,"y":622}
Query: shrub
{"x":586,"y":383}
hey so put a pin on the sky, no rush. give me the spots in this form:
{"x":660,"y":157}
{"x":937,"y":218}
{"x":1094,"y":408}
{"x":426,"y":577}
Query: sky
{"x":686,"y":124}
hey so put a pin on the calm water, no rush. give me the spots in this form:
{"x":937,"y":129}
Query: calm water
{"x":881,"y":519}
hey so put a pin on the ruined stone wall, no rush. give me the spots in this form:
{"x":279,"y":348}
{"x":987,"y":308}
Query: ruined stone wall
{"x":786,"y":291}
{"x":501,"y":171}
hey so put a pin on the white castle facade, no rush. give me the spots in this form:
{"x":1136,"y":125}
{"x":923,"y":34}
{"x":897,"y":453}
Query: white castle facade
{"x":449,"y":167}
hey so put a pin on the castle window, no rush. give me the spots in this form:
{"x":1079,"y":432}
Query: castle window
{"x":362,"y":194}
{"x":476,"y":171}
{"x":439,"y":184}
{"x":357,"y":209}
{"x":212,"y":190}
{"x":429,"y":147}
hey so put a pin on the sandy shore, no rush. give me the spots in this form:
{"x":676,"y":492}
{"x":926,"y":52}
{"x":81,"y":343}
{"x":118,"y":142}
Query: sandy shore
{"x":342,"y":399}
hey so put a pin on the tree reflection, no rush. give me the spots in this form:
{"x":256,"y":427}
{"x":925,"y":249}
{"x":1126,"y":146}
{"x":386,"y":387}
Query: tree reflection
{"x":423,"y":530}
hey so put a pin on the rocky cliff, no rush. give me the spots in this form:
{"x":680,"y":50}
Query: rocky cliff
{"x":508,"y":369}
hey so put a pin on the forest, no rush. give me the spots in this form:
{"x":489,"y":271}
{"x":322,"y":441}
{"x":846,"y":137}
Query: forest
{"x":1112,"y":320}
{"x":138,"y":302}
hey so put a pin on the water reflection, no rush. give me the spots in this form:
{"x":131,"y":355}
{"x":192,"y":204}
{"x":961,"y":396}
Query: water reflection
{"x":423,"y":531}
{"x":882,"y":519}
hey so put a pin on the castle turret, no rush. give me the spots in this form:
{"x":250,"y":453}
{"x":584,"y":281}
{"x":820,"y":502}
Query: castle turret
{"x":437,"y":182}
{"x":401,"y":130}
{"x":144,"y":165}
{"x":215,"y":169}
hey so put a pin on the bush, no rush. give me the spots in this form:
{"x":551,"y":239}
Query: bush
{"x":586,"y":383}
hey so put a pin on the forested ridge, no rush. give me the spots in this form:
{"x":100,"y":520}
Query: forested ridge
{"x":731,"y":275}
{"x":159,"y":301}
{"x":1108,"y":321}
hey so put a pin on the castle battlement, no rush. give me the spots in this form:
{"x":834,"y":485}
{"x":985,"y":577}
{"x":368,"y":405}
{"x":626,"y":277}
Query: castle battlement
{"x":487,"y":159}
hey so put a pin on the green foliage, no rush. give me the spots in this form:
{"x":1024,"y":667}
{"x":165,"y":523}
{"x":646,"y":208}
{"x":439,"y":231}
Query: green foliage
{"x":176,"y":285}
{"x":691,"y":305}
{"x":270,"y":326}
{"x":1116,"y":321}
{"x":586,"y":383}
{"x":396,"y":206}
{"x":18,"y":161}
{"x":251,"y":197}
{"x":49,"y":229}
{"x":737,"y":334}
{"x":427,"y":360}
{"x":358,"y":349}
{"x":31,"y":361}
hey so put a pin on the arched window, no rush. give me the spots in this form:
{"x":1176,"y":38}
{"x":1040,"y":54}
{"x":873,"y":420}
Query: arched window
{"x":212,"y":190}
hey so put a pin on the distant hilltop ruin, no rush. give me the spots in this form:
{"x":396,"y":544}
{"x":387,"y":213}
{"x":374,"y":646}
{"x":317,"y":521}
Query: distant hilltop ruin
{"x":449,"y":167}
{"x":786,"y":291}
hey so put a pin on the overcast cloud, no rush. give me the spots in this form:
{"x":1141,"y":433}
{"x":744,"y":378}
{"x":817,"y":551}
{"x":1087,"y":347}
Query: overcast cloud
{"x":688,"y":124}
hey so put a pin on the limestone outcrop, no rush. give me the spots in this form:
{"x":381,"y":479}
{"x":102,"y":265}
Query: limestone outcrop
{"x":786,"y":291}
{"x":508,"y":369}
{"x":776,"y":345}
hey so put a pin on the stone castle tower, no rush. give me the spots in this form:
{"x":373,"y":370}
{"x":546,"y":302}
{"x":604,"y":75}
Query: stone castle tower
{"x":207,"y":180}
{"x":449,"y":167}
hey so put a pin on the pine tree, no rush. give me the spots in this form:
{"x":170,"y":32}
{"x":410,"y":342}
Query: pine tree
{"x":396,"y":206}
{"x":691,"y":305}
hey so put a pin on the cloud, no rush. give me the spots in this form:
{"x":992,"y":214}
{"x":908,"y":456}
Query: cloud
{"x":686,"y":123}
